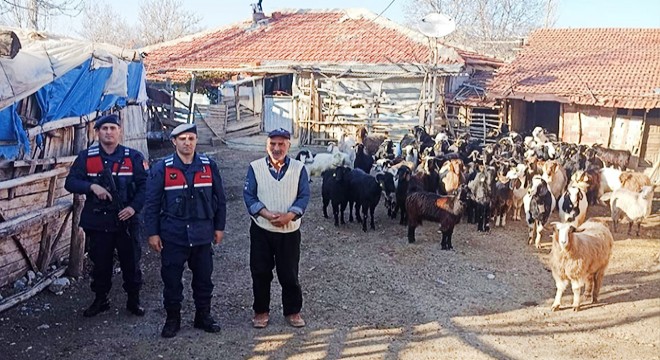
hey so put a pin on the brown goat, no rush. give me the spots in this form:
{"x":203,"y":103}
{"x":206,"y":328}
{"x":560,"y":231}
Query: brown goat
{"x":634,"y":181}
{"x":445,"y":210}
{"x":555,"y":175}
{"x":589,"y":182}
{"x":451,"y":175}
{"x":371,"y":141}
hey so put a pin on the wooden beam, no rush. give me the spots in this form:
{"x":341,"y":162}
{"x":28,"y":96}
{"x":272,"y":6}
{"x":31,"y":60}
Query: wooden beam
{"x":77,"y":251}
{"x":37,"y":288}
{"x":37,"y":162}
{"x":8,"y":184}
{"x":46,"y":236}
{"x":21,"y":247}
{"x":191,"y":116}
{"x":19,"y":224}
{"x":62,"y":123}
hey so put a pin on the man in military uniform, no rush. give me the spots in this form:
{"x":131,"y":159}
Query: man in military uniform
{"x":276,"y":194}
{"x":185,"y":212}
{"x":114,"y":179}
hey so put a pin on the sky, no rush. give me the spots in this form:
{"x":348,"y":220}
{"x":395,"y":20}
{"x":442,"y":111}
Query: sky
{"x":571,"y":13}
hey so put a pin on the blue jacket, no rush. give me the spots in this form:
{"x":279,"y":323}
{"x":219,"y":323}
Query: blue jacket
{"x":128,"y":174}
{"x":185,"y":204}
{"x":250,"y":190}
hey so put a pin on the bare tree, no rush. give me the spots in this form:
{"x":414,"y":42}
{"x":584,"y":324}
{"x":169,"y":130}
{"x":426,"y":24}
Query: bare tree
{"x":36,"y":14}
{"x":491,"y":26}
{"x":162,"y":20}
{"x":101,"y":23}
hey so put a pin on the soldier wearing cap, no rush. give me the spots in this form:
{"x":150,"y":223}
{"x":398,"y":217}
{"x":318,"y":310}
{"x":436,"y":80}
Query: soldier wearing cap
{"x":114,"y":179}
{"x":276,"y":194}
{"x":184,"y":214}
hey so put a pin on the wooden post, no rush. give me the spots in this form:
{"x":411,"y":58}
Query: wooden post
{"x":191,"y":116}
{"x":46,"y":236}
{"x":77,"y":251}
{"x":312,"y":108}
{"x":483,"y":124}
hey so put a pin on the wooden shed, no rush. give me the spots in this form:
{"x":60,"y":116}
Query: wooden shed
{"x":319,"y":73}
{"x":588,"y":86}
{"x":51,"y":91}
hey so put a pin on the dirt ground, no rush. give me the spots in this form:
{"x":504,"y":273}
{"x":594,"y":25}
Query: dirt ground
{"x":368,"y":296}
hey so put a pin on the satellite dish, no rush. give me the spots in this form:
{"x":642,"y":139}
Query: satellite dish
{"x":436,"y":25}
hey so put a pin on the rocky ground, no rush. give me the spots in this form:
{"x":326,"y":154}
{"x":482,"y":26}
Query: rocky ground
{"x":368,"y":296}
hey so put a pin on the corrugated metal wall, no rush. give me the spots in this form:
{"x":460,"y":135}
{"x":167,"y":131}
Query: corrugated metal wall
{"x":278,"y":113}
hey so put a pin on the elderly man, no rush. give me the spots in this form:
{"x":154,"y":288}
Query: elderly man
{"x":114,"y":179}
{"x":185,"y":212}
{"x":276,"y":194}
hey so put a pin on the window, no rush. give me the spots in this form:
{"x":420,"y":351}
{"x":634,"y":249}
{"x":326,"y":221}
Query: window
{"x":279,"y":85}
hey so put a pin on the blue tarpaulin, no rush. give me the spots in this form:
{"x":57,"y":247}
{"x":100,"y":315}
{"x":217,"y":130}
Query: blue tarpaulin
{"x":12,"y":135}
{"x":78,"y":92}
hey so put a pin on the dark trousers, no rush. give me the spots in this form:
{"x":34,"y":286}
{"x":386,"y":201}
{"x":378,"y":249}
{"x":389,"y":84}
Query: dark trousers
{"x":281,"y":251}
{"x":101,"y":251}
{"x":200,"y":262}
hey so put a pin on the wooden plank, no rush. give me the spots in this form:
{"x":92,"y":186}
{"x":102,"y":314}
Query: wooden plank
{"x":29,"y":189}
{"x":243,"y":125}
{"x":23,"y":204}
{"x":37,"y":162}
{"x":8,"y":184}
{"x":21,"y":223}
{"x":18,"y":298}
{"x":244,"y":132}
{"x":19,"y":244}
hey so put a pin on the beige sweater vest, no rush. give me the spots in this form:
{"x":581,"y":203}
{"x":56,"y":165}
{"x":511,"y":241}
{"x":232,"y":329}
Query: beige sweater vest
{"x":277,"y":196}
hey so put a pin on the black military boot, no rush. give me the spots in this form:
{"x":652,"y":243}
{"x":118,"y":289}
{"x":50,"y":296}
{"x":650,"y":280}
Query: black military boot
{"x":133,"y":304}
{"x":99,"y":305}
{"x":172,"y":324}
{"x":204,"y":321}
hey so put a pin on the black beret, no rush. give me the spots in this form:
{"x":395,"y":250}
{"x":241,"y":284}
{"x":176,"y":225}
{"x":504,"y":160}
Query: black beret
{"x":107,"y":119}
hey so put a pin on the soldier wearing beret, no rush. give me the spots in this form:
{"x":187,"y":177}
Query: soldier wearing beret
{"x":276,"y":194}
{"x":185,"y":213}
{"x":114,"y":179}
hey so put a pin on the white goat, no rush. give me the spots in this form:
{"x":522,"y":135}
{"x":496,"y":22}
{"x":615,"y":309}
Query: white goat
{"x":347,"y":146}
{"x":610,"y":180}
{"x":326,"y":161}
{"x":539,"y":135}
{"x":630,"y":205}
{"x":573,"y":206}
{"x":580,"y":256}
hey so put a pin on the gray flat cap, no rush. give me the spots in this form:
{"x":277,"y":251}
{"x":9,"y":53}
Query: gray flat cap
{"x":183,"y":128}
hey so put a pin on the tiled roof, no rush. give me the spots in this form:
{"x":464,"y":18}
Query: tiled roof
{"x":296,"y":37}
{"x":603,"y":67}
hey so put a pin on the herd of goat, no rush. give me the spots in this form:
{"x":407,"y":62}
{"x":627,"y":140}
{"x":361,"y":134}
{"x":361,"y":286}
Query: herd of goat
{"x":443,"y":179}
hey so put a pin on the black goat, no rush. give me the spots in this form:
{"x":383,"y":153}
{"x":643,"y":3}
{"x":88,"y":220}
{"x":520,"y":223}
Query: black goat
{"x":334,"y":189}
{"x":403,"y":180}
{"x":363,"y":160}
{"x":364,"y":192}
{"x":445,"y":210}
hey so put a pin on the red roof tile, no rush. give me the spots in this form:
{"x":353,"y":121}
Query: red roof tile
{"x":299,"y":37}
{"x":604,"y":67}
